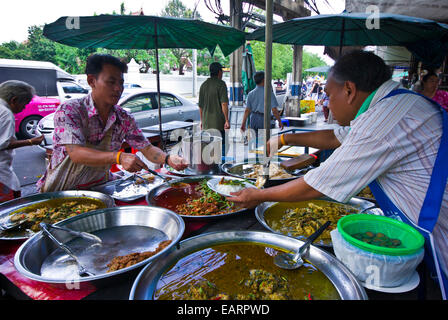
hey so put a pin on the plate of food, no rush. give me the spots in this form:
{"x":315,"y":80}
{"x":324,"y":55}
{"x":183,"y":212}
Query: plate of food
{"x":227,"y":185}
{"x":130,"y":188}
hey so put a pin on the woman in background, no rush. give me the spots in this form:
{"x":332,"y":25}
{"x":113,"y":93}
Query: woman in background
{"x":430,"y":86}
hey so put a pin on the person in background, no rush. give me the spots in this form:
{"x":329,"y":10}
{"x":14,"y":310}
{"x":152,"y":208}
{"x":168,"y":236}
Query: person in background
{"x":255,"y":107}
{"x":89,"y":132}
{"x":324,"y":102}
{"x":214,"y":103}
{"x":430,"y":88}
{"x":14,"y":96}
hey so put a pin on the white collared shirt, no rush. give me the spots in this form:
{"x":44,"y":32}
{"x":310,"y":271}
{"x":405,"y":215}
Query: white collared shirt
{"x":7,"y":133}
{"x":395,"y":141}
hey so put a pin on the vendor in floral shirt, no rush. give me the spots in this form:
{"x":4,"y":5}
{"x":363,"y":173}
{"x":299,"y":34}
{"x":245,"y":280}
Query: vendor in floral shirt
{"x":430,"y":86}
{"x":89,"y":133}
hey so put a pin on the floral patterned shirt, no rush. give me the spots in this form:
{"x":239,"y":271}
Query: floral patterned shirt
{"x":77,"y":122}
{"x":441,"y":97}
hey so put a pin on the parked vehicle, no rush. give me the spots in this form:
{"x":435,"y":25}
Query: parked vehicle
{"x":53,"y":86}
{"x":142,"y":104}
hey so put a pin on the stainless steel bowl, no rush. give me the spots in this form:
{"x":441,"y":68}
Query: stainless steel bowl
{"x":262,"y":208}
{"x":344,"y":281}
{"x":160,"y":189}
{"x":16,"y":204}
{"x":119,"y":223}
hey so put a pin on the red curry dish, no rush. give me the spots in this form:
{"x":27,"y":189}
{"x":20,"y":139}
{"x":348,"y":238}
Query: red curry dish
{"x":195,"y":199}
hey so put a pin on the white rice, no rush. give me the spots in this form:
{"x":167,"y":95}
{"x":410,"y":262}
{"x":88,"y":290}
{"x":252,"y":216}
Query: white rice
{"x":227,"y":189}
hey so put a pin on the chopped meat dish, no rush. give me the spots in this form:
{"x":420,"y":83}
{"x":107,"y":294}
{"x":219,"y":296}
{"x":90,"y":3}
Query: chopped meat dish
{"x":122,"y":262}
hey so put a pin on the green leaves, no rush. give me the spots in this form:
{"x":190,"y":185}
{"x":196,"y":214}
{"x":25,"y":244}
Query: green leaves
{"x":282,"y":56}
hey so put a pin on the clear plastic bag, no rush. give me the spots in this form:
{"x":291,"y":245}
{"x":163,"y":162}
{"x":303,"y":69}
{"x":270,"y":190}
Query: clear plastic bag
{"x":375,"y":269}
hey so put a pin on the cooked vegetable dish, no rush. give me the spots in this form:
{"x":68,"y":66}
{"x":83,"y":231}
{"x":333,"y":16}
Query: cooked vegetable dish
{"x":241,"y":271}
{"x":54,"y":210}
{"x":304,"y":221}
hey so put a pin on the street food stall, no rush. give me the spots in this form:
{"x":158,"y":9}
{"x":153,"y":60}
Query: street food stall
{"x":167,"y":235}
{"x":162,"y":227}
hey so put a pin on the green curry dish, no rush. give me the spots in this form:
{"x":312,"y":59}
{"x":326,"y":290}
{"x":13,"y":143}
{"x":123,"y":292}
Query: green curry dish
{"x":262,"y":285}
{"x":304,"y":221}
{"x":265,"y":286}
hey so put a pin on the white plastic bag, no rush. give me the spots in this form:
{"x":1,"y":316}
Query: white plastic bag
{"x":375,"y":269}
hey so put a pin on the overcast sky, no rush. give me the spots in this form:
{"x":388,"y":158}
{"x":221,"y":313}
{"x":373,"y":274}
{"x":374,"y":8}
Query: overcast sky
{"x":17,"y":15}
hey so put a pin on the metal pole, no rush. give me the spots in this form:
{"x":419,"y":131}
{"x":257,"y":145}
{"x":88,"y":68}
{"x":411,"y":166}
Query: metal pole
{"x":268,"y":75}
{"x":156,"y":42}
{"x":195,"y":61}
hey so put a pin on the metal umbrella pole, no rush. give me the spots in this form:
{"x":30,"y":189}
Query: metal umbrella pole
{"x":268,"y":76}
{"x":156,"y":42}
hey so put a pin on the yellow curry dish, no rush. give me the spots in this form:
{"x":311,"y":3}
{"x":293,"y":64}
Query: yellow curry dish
{"x":54,"y":210}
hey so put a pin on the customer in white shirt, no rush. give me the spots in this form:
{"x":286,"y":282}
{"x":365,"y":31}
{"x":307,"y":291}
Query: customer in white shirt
{"x":14,"y":96}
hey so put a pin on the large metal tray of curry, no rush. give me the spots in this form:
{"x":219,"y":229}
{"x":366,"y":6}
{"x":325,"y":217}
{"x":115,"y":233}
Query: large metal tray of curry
{"x":239,"y":265}
{"x":301,"y":219}
{"x":192,"y":199}
{"x":49,"y":207}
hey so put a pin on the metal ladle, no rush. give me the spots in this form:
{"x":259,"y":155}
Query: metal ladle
{"x":82,"y":271}
{"x":290,"y":262}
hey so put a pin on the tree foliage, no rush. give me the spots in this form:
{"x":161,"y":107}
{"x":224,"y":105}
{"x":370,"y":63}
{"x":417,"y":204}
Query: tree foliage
{"x":175,"y":8}
{"x":282,"y":59}
{"x":73,"y":60}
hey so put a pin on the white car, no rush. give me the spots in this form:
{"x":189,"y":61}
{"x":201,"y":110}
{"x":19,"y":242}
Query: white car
{"x":142,"y":104}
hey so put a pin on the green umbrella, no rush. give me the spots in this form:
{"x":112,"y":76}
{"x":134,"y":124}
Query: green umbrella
{"x":249,"y":70}
{"x":144,"y":32}
{"x":321,"y":69}
{"x":355,"y":29}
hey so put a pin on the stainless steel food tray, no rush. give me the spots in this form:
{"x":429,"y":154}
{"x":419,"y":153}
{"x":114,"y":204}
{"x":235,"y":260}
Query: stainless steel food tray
{"x":16,"y":204}
{"x":344,"y":281}
{"x":129,"y":228}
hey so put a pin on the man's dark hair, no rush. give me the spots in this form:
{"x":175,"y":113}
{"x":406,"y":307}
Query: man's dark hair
{"x":259,"y":77}
{"x":96,"y":62}
{"x":215,"y":67}
{"x":365,"y":69}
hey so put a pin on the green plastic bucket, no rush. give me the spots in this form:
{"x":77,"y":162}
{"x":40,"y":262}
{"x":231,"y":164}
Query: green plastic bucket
{"x":411,"y":240}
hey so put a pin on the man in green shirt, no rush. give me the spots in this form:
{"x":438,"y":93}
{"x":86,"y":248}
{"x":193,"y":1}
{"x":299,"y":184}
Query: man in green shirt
{"x":214,"y":102}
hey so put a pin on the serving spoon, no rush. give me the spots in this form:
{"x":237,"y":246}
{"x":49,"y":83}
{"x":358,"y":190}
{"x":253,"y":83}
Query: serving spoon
{"x":290,"y":262}
{"x":82,"y":271}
